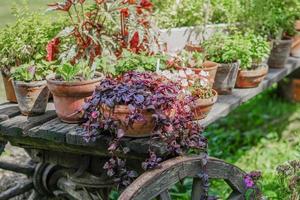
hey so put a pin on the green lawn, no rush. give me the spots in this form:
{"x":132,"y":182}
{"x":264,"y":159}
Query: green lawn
{"x":5,"y":8}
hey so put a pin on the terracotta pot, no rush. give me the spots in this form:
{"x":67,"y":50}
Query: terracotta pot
{"x":193,"y":47}
{"x":201,"y":107}
{"x":32,"y":97}
{"x":69,"y":97}
{"x":295,"y":50}
{"x":251,"y":78}
{"x":209,"y":67}
{"x":297,"y":25}
{"x":138,"y":128}
{"x":290,"y":89}
{"x":9,"y":89}
{"x":226,"y":77}
{"x":279,"y":54}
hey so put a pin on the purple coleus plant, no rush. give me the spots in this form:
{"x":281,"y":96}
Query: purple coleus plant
{"x":142,"y":91}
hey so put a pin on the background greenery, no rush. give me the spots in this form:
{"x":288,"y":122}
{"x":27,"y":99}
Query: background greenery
{"x":259,"y":135}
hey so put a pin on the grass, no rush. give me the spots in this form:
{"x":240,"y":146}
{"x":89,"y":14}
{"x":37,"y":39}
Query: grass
{"x":5,"y":9}
{"x":259,"y":135}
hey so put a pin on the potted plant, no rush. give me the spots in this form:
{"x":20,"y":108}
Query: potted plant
{"x":139,"y":104}
{"x":229,"y":51}
{"x":90,"y":41}
{"x":253,"y":72}
{"x":71,"y":86}
{"x":195,"y":61}
{"x":31,"y":88}
{"x":274,"y":19}
{"x":197,"y":86}
{"x":23,"y":42}
{"x":295,"y":49}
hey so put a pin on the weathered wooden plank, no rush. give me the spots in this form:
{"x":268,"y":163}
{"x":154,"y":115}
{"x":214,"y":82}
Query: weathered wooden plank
{"x":226,"y":104}
{"x":18,"y":125}
{"x":53,"y":130}
{"x":8,"y":110}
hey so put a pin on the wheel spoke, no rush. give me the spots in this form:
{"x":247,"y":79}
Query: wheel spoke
{"x":17,"y":190}
{"x":197,"y":189}
{"x":165,"y":195}
{"x":22,"y":169}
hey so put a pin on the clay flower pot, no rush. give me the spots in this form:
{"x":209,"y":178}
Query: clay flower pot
{"x":69,"y":97}
{"x":201,"y":107}
{"x":290,"y":89}
{"x":210,"y":68}
{"x":295,"y":50}
{"x":207,"y":66}
{"x":226,"y":77}
{"x":139,"y":128}
{"x":251,"y":78}
{"x":280,"y":53}
{"x":193,"y":47}
{"x":9,"y":89}
{"x":32,"y":97}
{"x":297,"y":25}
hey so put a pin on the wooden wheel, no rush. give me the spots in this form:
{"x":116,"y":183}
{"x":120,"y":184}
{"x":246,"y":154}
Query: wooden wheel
{"x":155,"y":183}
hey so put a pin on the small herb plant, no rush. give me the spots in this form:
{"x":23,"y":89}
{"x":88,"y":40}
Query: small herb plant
{"x":140,"y":62}
{"x":222,"y":48}
{"x":191,"y":59}
{"x":79,"y":71}
{"x":142,"y":91}
{"x":260,"y":48}
{"x":32,"y":72}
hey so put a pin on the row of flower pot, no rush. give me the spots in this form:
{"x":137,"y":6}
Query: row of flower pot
{"x":218,"y":79}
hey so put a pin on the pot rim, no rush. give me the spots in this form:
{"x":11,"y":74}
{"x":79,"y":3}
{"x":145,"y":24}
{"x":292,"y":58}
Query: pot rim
{"x":206,"y":102}
{"x":30,"y":84}
{"x":120,"y":109}
{"x":51,"y":80}
{"x":260,"y":71}
{"x":214,"y":66}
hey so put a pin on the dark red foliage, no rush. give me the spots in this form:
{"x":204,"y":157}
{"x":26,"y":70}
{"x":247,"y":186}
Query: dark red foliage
{"x":52,"y":49}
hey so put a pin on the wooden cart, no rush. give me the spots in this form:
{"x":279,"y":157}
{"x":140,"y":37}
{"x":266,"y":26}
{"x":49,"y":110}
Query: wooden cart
{"x":65,"y":165}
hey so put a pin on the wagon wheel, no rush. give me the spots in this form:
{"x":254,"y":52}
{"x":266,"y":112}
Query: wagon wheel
{"x":155,"y":183}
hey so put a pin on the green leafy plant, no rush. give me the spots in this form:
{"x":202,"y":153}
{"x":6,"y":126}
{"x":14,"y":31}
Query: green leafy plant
{"x":32,"y":72}
{"x":79,"y":71}
{"x":260,"y":48}
{"x":223,"y":48}
{"x":191,"y":59}
{"x":26,"y":39}
{"x":140,"y":62}
{"x":271,"y":18}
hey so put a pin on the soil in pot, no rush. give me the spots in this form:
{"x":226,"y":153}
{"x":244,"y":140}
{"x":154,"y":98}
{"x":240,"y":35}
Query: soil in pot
{"x":226,"y":78}
{"x":295,"y":50}
{"x":279,"y":54}
{"x":139,"y":128}
{"x":251,"y":78}
{"x":201,"y":107}
{"x":9,"y":89}
{"x":69,"y":97}
{"x":32,"y":97}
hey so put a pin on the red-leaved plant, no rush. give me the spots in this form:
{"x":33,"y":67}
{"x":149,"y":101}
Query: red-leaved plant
{"x":102,"y":27}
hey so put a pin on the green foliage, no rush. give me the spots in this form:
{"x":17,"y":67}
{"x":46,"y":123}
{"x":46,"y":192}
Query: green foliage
{"x":179,"y":13}
{"x":260,"y":48}
{"x":26,"y":39}
{"x":191,"y":59}
{"x":270,"y":18}
{"x":139,"y":62}
{"x":79,"y":71}
{"x":225,"y":11}
{"x":32,"y":72}
{"x":222,"y":48}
